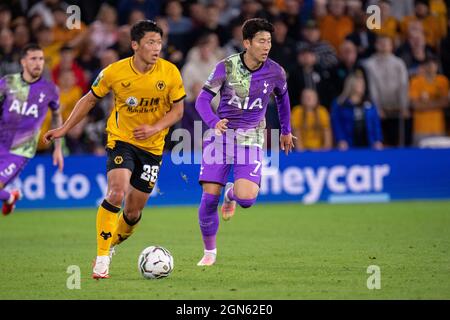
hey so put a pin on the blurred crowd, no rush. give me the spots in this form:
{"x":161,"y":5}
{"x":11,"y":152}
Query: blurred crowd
{"x":349,"y":86}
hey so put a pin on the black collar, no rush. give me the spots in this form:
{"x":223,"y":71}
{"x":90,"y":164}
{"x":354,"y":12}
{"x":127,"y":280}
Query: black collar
{"x":23,"y":79}
{"x":241,"y":55}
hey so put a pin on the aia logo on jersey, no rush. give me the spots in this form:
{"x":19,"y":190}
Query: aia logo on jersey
{"x":23,"y":108}
{"x":236,"y":101}
{"x":160,"y":85}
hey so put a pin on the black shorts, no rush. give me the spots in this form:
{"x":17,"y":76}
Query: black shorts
{"x":144,"y":166}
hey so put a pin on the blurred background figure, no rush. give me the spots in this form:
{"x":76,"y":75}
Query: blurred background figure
{"x":429,"y":94}
{"x":103,"y":31}
{"x":311,"y":123}
{"x":415,"y":50}
{"x":336,"y":25}
{"x":388,"y":88}
{"x":354,"y":118}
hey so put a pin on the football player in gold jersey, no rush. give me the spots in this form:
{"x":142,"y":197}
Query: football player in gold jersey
{"x":148,"y":99}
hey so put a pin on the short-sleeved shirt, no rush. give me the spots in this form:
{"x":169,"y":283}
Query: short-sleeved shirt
{"x":23,"y":107}
{"x":139,"y":99}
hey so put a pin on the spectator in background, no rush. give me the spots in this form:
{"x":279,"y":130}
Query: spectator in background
{"x":180,"y":26}
{"x":35,"y":22}
{"x":211,"y":25}
{"x":150,"y":9}
{"x":445,"y":49}
{"x":354,"y":8}
{"x":438,"y":9}
{"x":5,"y":17}
{"x":335,"y":26}
{"x":67,"y":62}
{"x":234,"y":45}
{"x":69,"y":94}
{"x":306,"y":75}
{"x":348,"y":64}
{"x":134,"y":16}
{"x":169,"y":49}
{"x":291,"y":17}
{"x":21,"y":36}
{"x":415,"y":50}
{"x":283,"y":48}
{"x":354,"y":118}
{"x":311,"y":123}
{"x":94,"y":130}
{"x":44,"y":37}
{"x":88,"y":60}
{"x":362,"y":37}
{"x":228,"y":10}
{"x":270,"y":10}
{"x":122,"y":45}
{"x":178,"y":23}
{"x":388,"y":87}
{"x":62,"y":34}
{"x":325,"y":53}
{"x":389,"y":24}
{"x":103,"y":32}
{"x":429,"y":96}
{"x":399,"y":8}
{"x":430,"y":23}
{"x":200,"y":61}
{"x":44,"y":9}
{"x":9,"y":55}
{"x":249,"y":9}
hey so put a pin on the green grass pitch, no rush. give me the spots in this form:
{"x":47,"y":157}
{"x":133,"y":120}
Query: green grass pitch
{"x":276,"y":251}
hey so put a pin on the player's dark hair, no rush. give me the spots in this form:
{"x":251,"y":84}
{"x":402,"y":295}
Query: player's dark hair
{"x":252,"y":26}
{"x":29,"y":47}
{"x":139,"y":29}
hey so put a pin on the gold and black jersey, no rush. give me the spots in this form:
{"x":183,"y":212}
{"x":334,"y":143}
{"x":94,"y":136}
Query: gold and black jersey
{"x":139,"y":98}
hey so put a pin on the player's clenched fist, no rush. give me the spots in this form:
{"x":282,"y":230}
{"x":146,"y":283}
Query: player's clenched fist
{"x":221,"y":126}
{"x":54,"y":134}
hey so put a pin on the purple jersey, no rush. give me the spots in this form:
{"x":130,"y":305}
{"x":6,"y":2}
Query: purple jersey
{"x":23,"y":107}
{"x":245,"y":94}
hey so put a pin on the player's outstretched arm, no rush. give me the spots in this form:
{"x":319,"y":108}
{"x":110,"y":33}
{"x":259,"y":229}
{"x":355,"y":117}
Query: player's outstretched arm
{"x":58,"y":158}
{"x":175,"y":114}
{"x":81,"y":109}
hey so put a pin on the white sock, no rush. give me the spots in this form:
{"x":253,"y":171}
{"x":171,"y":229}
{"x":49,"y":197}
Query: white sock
{"x":214,"y":251}
{"x":11,"y":199}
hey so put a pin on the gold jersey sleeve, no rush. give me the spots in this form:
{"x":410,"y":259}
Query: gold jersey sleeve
{"x":139,"y":98}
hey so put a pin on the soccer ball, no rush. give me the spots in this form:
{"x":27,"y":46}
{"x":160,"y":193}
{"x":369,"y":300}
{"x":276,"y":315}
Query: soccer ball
{"x":155,"y":262}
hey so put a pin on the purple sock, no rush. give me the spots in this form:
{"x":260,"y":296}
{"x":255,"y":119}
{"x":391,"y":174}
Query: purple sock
{"x":208,"y":219}
{"x":4,"y":195}
{"x":245,"y":203}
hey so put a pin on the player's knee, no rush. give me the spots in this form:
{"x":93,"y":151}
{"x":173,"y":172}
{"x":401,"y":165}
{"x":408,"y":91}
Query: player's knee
{"x":246,"y":203}
{"x":132,"y":217}
{"x":116,"y":196}
{"x":210,"y":202}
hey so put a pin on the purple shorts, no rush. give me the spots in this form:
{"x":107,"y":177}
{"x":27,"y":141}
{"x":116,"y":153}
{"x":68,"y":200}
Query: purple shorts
{"x":10,"y":167}
{"x":218,"y":157}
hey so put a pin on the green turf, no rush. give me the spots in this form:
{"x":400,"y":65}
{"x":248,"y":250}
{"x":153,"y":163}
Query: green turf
{"x":285,"y":251}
